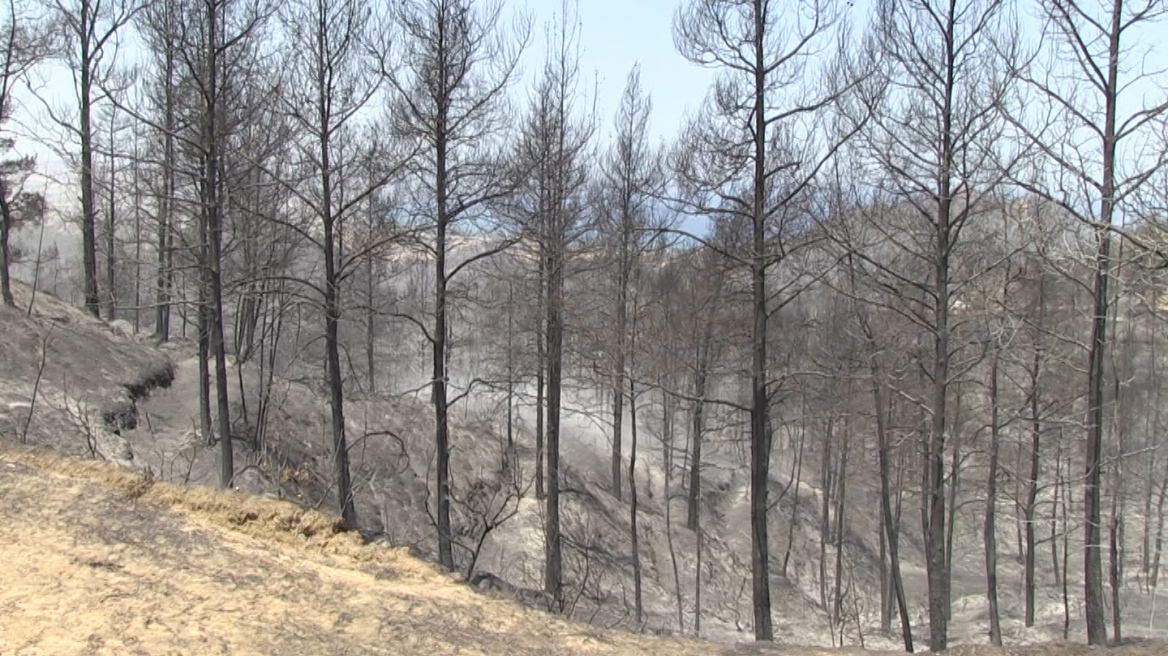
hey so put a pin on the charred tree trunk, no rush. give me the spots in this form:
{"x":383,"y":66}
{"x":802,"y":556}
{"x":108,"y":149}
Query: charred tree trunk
{"x":619,"y":371}
{"x":991,"y":544}
{"x":5,"y":221}
{"x":1114,"y":570}
{"x":540,"y":376}
{"x":826,"y":486}
{"x":694,"y":493}
{"x":795,"y":503}
{"x":332,"y":305}
{"x":638,"y":608}
{"x":165,"y":279}
{"x":667,"y":442}
{"x":553,"y":573}
{"x":111,"y":229}
{"x":370,"y":310}
{"x":936,"y":558}
{"x":760,"y":429}
{"x":695,"y":467}
{"x":1097,"y":348}
{"x":840,"y":527}
{"x":441,"y":420}
{"x":213,"y":208}
{"x":890,"y":523}
{"x":336,"y":388}
{"x":1158,"y":545}
{"x":204,"y":326}
{"x":1031,"y":504}
{"x":1064,"y":503}
{"x":86,"y":63}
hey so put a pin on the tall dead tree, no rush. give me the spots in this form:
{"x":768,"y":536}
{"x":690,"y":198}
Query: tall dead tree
{"x":216,"y":54}
{"x":932,"y":122}
{"x":552,"y":161}
{"x":159,"y":27}
{"x":754,"y":148}
{"x":110,"y":190}
{"x":888,"y":521}
{"x":634,"y":537}
{"x":327,"y":55}
{"x":1092,"y":133}
{"x":458,"y":59}
{"x":631,"y":177}
{"x":708,"y":288}
{"x":1035,"y":368}
{"x":997,"y":337}
{"x":211,"y":212}
{"x":91,"y":30}
{"x":23,"y":45}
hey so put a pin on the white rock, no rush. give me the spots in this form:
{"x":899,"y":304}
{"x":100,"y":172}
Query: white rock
{"x":122,"y":327}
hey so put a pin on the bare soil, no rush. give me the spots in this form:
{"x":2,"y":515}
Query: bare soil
{"x":98,"y":560}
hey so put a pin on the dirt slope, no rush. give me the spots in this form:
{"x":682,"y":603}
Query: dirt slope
{"x":97,"y":560}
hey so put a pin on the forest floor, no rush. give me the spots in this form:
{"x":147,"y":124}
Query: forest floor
{"x":99,"y":560}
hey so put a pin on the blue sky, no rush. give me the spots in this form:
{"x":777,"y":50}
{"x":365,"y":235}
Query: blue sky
{"x":616,"y":35}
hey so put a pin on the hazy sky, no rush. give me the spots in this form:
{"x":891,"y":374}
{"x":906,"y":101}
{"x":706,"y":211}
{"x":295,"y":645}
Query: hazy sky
{"x":616,"y":35}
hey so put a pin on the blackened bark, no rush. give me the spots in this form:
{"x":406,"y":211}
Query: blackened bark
{"x":204,"y":326}
{"x":111,"y":229}
{"x":826,"y":486}
{"x":619,"y":370}
{"x":553,"y":570}
{"x":636,"y":545}
{"x":698,"y":428}
{"x":936,"y":558}
{"x":541,"y":377}
{"x":85,"y":65}
{"x":1114,"y":569}
{"x":441,"y":420}
{"x":1031,"y":502}
{"x":891,"y":526}
{"x":888,"y":521}
{"x":991,"y":545}
{"x":370,"y":311}
{"x":791,"y":526}
{"x":213,"y":209}
{"x":5,"y":222}
{"x":1092,"y":552}
{"x":840,"y":527}
{"x":760,"y":437}
{"x":165,"y":278}
{"x":336,"y":388}
{"x":332,"y":308}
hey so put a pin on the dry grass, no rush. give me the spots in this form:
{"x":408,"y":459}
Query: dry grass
{"x":152,"y":568}
{"x":98,"y":560}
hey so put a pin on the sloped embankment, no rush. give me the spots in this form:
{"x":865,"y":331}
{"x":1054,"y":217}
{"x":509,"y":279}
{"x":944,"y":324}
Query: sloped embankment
{"x":145,"y":567}
{"x":69,"y":381}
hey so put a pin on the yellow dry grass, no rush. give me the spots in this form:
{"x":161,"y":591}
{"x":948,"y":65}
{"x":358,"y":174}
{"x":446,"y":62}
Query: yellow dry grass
{"x":98,"y":560}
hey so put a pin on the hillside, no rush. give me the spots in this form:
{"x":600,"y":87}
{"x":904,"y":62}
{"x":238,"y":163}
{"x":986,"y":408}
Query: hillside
{"x":140,"y":566}
{"x":145,"y":567}
{"x":103,"y":393}
{"x":107,"y":394}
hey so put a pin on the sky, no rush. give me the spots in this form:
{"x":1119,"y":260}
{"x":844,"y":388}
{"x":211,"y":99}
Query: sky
{"x":618,"y":34}
{"x":615,"y":35}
